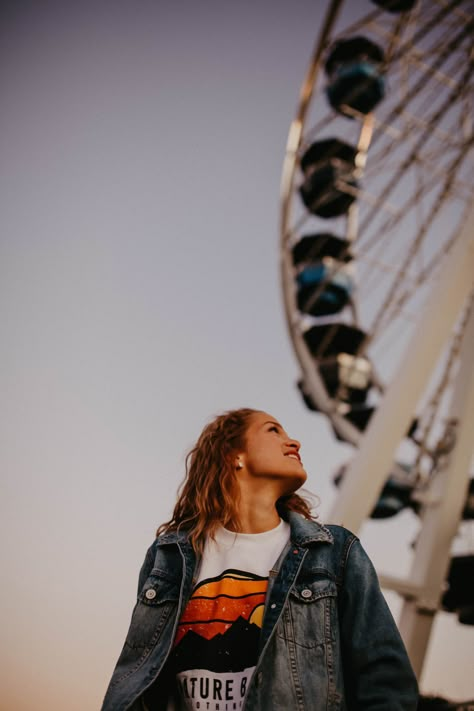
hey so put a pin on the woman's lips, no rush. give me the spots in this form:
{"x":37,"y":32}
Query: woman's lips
{"x":294,"y":455}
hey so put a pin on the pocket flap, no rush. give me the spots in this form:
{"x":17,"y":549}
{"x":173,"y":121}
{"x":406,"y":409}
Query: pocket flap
{"x":159,"y":589}
{"x":309,"y":591}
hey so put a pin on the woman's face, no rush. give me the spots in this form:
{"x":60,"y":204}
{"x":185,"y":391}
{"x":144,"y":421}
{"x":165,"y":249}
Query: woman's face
{"x":270,"y":454}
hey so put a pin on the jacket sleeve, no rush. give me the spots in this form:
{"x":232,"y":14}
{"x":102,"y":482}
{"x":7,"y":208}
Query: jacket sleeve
{"x":377,"y":671}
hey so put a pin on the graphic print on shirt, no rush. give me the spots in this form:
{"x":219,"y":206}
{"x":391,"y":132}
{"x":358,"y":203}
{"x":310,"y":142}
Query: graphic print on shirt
{"x":216,"y":645}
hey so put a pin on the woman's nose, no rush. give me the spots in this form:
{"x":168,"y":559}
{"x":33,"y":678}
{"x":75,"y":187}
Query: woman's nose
{"x":295,"y":444}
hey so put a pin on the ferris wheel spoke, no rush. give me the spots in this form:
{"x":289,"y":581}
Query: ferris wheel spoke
{"x":424,"y":275}
{"x":428,"y":25}
{"x":385,"y":312}
{"x":413,"y":154}
{"x":383,"y":231}
{"x":419,"y":86}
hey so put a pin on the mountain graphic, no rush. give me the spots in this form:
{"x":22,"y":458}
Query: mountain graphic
{"x":233,"y":651}
{"x":216,"y":603}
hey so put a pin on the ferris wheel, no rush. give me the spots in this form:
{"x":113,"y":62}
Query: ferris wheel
{"x":377,"y":264}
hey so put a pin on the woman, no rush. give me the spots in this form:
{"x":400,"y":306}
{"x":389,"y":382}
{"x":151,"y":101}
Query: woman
{"x":245,"y":602}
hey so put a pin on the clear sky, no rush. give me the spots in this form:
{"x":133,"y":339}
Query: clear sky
{"x":141,"y":151}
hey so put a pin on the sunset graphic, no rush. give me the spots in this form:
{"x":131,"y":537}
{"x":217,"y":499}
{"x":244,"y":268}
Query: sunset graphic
{"x":217,"y":603}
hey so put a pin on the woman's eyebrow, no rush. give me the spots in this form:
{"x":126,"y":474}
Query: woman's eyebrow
{"x":271,"y":422}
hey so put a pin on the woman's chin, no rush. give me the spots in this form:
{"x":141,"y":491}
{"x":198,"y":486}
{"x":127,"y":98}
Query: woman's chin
{"x":295,"y":483}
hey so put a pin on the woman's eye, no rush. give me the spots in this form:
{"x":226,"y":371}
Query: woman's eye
{"x":273,"y":428}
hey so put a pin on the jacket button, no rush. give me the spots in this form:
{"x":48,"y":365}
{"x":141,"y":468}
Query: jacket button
{"x":306,"y":593}
{"x":150,"y":594}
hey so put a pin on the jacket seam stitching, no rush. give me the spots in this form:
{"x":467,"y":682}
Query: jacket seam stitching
{"x":343,"y":560}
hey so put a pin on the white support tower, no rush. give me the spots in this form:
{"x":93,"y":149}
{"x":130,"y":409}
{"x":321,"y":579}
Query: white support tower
{"x":368,"y":470}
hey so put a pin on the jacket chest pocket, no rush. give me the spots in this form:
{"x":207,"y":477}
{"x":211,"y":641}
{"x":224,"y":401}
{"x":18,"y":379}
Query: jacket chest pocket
{"x":310,"y":616}
{"x":157,"y":603}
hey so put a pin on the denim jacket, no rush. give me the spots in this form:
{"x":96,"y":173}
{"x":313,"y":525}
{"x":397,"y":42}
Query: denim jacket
{"x":328,"y":639}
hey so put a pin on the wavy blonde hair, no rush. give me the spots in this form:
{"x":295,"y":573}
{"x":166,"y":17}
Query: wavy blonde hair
{"x":208,"y":497}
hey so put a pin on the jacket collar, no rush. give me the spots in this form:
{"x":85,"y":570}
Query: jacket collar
{"x":172,"y":537}
{"x":304,"y":532}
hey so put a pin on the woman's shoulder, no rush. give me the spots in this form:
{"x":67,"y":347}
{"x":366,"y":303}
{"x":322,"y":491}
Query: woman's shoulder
{"x":318,"y":529}
{"x":340,"y":532}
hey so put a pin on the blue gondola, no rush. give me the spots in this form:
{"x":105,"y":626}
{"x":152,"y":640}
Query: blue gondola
{"x":323,"y":288}
{"x":355,"y":77}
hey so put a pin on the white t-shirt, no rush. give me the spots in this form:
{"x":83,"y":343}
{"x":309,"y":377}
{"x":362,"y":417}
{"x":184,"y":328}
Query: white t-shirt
{"x":216,"y":645}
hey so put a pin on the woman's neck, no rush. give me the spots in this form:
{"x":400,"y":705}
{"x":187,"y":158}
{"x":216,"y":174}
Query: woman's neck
{"x":257,"y":516}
